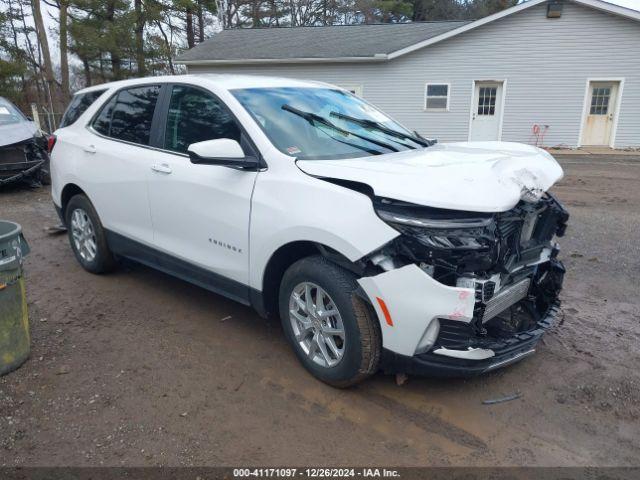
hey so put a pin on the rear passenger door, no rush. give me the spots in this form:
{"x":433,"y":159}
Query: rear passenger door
{"x":201,"y":213}
{"x":117,"y":158}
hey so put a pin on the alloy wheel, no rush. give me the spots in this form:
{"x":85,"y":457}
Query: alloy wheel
{"x":83,"y":233}
{"x":317,"y":324}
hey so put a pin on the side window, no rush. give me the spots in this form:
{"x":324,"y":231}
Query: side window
{"x":102,"y":123}
{"x":437,"y":97}
{"x":195,"y":116}
{"x":128,"y":115}
{"x":79,"y":104}
{"x":133,"y":113}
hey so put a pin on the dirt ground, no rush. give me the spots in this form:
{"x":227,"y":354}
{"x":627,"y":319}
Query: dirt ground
{"x":139,"y":368}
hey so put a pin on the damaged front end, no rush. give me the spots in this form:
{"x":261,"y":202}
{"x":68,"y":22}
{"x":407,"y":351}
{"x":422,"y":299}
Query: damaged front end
{"x":23,"y":148}
{"x":503,"y":267}
{"x":27,"y":160}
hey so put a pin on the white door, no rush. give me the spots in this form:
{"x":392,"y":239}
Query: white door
{"x":200,"y":213}
{"x":118,"y":186}
{"x":487,"y":111}
{"x":599,"y":115}
{"x":116,"y":161}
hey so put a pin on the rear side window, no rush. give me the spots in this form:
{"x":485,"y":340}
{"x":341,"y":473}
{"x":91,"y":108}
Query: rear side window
{"x":102,"y":123}
{"x":195,"y":116}
{"x":79,"y":104}
{"x":128,"y":115}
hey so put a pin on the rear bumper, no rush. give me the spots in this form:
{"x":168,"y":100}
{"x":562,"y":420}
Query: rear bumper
{"x":505,"y":352}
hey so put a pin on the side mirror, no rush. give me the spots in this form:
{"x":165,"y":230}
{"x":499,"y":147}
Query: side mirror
{"x":221,"y":151}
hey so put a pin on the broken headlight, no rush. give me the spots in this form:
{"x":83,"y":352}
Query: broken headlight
{"x":464,"y":240}
{"x":440,"y":233}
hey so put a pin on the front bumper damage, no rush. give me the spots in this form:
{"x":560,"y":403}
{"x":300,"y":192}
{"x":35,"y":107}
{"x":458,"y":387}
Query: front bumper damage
{"x":500,"y":353}
{"x":27,"y":160}
{"x":459,"y":322}
{"x":460,"y":350}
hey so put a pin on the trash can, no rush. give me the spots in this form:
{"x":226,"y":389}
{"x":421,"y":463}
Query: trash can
{"x":14,"y":318}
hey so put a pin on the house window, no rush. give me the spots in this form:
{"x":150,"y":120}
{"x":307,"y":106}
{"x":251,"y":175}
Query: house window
{"x":487,"y":100}
{"x":437,"y":97}
{"x":600,"y":101}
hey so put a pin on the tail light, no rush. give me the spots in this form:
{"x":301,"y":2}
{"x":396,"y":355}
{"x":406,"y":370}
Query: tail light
{"x":51,"y":141}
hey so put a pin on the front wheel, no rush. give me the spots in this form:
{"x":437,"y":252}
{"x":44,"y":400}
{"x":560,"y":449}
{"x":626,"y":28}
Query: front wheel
{"x":331,"y":329}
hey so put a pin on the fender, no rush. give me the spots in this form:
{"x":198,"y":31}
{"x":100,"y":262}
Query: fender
{"x":304,"y":208}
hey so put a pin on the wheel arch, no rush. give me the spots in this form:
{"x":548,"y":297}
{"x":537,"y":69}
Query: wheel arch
{"x":266,"y":301}
{"x":68,"y":192}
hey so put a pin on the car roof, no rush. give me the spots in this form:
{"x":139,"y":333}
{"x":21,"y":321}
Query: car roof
{"x":225,"y":81}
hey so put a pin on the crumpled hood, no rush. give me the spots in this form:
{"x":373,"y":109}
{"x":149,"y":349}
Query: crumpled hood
{"x":17,"y":132}
{"x":473,"y":176}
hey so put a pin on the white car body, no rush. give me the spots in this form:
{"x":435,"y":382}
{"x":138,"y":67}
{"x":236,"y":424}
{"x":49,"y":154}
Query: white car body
{"x":156,"y":198}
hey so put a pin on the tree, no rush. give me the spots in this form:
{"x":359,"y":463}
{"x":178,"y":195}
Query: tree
{"x":43,"y":41}
{"x":103,"y":36}
{"x":13,"y":68}
{"x":191,"y":38}
{"x":483,"y":8}
{"x":139,"y":31}
{"x":384,"y":11}
{"x":21,"y":74}
{"x":439,"y":10}
{"x":64,"y":51}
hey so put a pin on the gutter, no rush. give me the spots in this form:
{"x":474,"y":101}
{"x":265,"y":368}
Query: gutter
{"x":378,"y":57}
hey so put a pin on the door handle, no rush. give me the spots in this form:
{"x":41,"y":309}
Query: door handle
{"x":89,"y":148}
{"x":164,"y":168}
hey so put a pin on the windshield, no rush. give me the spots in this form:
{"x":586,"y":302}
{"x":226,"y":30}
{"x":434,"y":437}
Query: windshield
{"x":324,"y":123}
{"x":9,"y":114}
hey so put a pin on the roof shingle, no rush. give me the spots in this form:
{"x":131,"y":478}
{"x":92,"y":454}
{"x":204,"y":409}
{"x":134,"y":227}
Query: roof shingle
{"x":340,"y":41}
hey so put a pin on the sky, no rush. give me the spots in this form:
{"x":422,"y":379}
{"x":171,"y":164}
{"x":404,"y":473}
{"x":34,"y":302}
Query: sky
{"x":633,"y":4}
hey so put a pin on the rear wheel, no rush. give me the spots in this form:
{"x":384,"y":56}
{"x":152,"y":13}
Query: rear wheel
{"x":87,"y":237}
{"x":331,"y":329}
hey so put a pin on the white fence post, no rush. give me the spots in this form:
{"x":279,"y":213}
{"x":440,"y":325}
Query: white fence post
{"x":35,"y":115}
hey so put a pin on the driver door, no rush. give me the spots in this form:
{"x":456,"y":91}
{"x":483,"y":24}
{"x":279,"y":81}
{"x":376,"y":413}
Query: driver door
{"x":200,"y":213}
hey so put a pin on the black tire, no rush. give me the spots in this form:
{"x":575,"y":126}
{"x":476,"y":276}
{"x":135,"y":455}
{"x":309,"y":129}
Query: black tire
{"x":362,"y":345}
{"x":103,"y":261}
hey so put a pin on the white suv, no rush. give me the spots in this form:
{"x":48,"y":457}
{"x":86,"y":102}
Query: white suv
{"x":376,"y":247}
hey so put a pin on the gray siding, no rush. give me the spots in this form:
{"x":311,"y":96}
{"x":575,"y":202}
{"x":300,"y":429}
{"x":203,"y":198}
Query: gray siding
{"x":545,"y":62}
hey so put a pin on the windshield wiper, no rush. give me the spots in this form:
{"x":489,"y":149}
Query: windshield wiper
{"x":314,"y":119}
{"x":381,"y":128}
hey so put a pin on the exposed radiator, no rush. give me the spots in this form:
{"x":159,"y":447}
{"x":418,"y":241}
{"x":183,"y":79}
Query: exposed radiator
{"x":505,"y":298}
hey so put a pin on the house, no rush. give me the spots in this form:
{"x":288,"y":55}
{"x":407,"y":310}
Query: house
{"x":545,"y":72}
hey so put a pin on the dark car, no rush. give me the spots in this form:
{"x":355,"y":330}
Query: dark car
{"x":23,"y":148}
